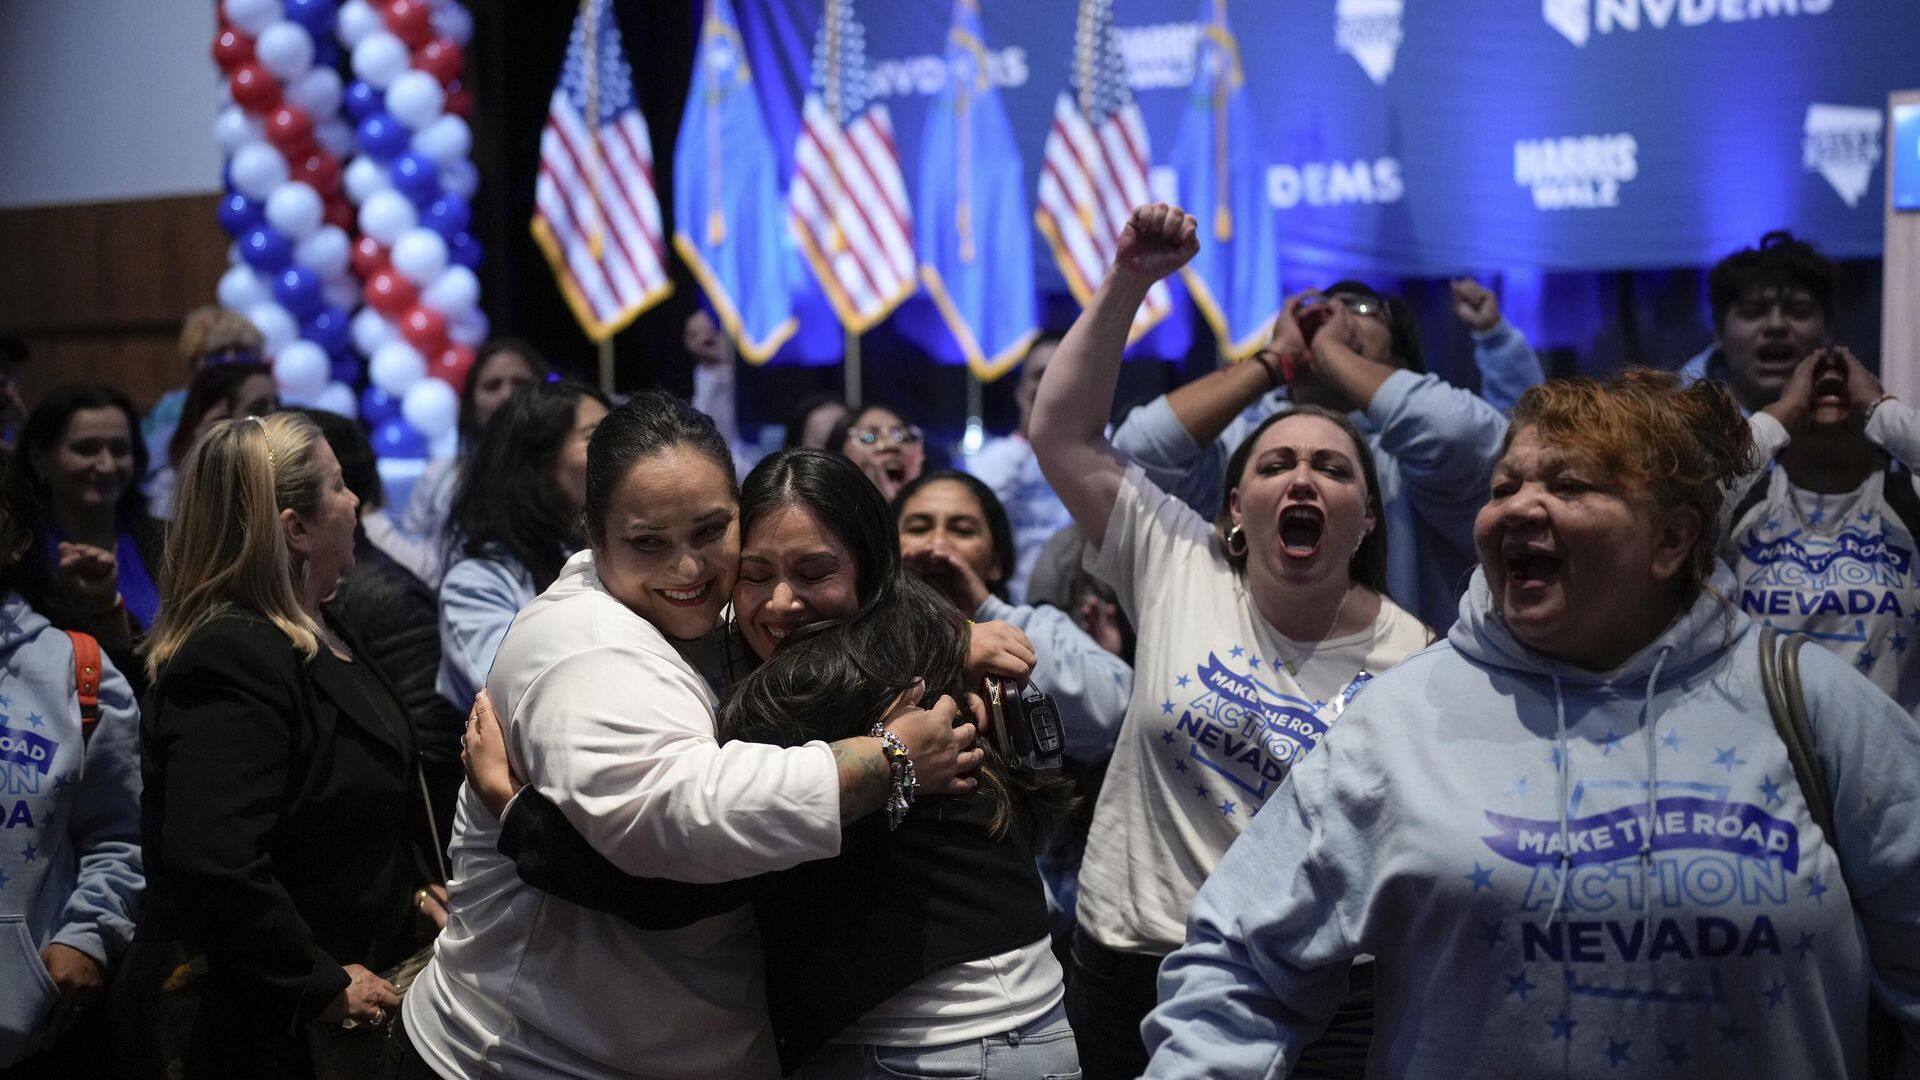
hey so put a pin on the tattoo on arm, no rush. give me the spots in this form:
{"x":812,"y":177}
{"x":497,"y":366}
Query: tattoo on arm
{"x":864,"y":777}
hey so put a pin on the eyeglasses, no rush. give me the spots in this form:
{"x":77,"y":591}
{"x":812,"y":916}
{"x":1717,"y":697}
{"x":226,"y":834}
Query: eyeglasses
{"x":899,"y":436}
{"x":1359,"y":305}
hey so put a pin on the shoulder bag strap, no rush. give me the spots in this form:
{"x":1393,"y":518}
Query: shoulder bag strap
{"x":86,"y":680}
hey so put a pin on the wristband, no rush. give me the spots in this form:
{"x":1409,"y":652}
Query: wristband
{"x":1279,"y":367}
{"x":1875,"y":404}
{"x":904,"y":783}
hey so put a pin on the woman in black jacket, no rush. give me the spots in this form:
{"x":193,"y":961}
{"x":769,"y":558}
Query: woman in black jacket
{"x":937,"y":944}
{"x":281,"y":818}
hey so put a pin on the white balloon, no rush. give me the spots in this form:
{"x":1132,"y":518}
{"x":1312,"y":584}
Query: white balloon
{"x":318,"y":91}
{"x":420,"y":255}
{"x":252,"y":16}
{"x":327,"y":252}
{"x":446,"y":446}
{"x":380,"y":58}
{"x":459,"y":177}
{"x":396,"y":367}
{"x":355,"y":20}
{"x":371,"y":330}
{"x":453,"y":21}
{"x":257,"y":170}
{"x":453,"y":293}
{"x":296,"y":210}
{"x":338,"y":398}
{"x":342,"y":292}
{"x":415,"y":98}
{"x":302,"y":369}
{"x":285,"y":49}
{"x":446,"y":139}
{"x":240,"y":288}
{"x":336,"y":136}
{"x":432,"y":407}
{"x":469,"y":329}
{"x":385,"y":215}
{"x":275,"y":324}
{"x":233,"y":129}
{"x":363,"y":177}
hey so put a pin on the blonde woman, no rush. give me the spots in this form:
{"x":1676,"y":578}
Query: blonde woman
{"x":282,"y":811}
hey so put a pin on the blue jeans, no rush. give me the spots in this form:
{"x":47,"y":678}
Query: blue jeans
{"x":1038,"y":1050}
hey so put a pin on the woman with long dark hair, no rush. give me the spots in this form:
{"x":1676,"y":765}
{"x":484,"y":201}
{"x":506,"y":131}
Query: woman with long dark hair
{"x":227,"y":390}
{"x":938,"y":954}
{"x":514,"y":523}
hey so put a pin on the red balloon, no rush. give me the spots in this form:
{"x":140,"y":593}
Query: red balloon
{"x":290,"y":130}
{"x":318,"y":170}
{"x":369,"y":258}
{"x":389,"y":293}
{"x":453,"y":365}
{"x":231,"y":49}
{"x":255,"y":88}
{"x":425,"y":329}
{"x":460,"y":101}
{"x":440,"y":58}
{"x":411,"y":21}
{"x":341,"y":214}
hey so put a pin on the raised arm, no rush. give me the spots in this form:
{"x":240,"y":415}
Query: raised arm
{"x":1508,"y":365}
{"x":1068,"y":429}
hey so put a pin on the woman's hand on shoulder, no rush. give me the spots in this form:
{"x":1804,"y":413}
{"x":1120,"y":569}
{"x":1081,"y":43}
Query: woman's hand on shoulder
{"x":940,"y":743}
{"x":483,"y":753}
{"x":998,"y":649}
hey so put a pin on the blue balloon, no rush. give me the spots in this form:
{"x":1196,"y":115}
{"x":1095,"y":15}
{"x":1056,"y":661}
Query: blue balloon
{"x":326,"y":51}
{"x":377,"y":407}
{"x":416,"y":177}
{"x":381,"y":136}
{"x":448,"y":215}
{"x":266,"y":250}
{"x":240,"y":215}
{"x":346,"y":369}
{"x":464,"y":250}
{"x":315,"y":15}
{"x":329,"y":328}
{"x":361,"y":101}
{"x":298,"y":290}
{"x":397,"y":439}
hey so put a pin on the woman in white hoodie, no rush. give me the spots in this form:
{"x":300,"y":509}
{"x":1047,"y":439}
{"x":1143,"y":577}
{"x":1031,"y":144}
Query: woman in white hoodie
{"x":1570,"y":834}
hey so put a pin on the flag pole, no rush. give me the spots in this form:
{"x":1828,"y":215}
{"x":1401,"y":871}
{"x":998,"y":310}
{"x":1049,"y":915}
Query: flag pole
{"x":606,"y":365}
{"x":851,"y":370}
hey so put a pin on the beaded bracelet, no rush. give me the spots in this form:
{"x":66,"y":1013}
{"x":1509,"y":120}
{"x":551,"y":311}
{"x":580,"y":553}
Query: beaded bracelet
{"x":904,"y":782}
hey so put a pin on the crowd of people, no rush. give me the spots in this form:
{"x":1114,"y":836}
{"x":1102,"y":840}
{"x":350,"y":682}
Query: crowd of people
{"x":1321,"y":718}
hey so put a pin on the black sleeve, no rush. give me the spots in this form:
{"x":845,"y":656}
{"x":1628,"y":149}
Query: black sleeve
{"x":552,"y":856}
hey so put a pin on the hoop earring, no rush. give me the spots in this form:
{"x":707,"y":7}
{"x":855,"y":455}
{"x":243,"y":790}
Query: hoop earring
{"x":1235,"y":543}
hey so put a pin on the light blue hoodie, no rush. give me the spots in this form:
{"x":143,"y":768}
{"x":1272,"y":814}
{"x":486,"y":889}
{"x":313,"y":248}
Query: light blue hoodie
{"x":1429,"y":827}
{"x":70,"y":843}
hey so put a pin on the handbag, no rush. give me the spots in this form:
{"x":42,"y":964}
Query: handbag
{"x":1787,"y":703}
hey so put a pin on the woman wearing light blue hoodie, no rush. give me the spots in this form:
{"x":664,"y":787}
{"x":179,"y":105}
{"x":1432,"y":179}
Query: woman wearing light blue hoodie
{"x":70,"y":874}
{"x":1570,"y":834}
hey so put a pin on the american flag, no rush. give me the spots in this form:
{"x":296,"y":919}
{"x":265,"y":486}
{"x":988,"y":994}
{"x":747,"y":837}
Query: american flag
{"x":1095,"y":171}
{"x":848,"y":202}
{"x":595,"y":213}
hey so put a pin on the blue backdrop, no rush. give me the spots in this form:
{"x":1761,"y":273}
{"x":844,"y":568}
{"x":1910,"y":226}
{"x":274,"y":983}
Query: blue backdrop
{"x":1426,"y":138}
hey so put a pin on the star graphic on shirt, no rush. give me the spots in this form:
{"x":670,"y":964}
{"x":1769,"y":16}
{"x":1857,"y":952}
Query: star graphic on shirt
{"x":1866,"y":516}
{"x":1675,"y":1053}
{"x":60,"y":782}
{"x":1183,"y":680}
{"x":1728,"y":756}
{"x":46,"y":823}
{"x":1519,"y":788}
{"x":1898,"y":642}
{"x":35,"y":719}
{"x":1771,"y":790}
{"x":1520,"y":986}
{"x":1481,"y":877}
{"x":1179,"y":764}
{"x":1817,"y":517}
{"x":1731,"y":1031}
{"x":31,"y":853}
{"x":1226,"y":807}
{"x":1493,"y":932}
{"x":1255,"y":661}
{"x":1167,"y":707}
{"x":1553,"y":757}
{"x":1805,"y":944}
{"x":1816,"y":889}
{"x":1776,"y":994}
{"x":1616,"y":1052}
{"x":1318,"y":705}
{"x":1773,"y":524}
{"x":1671,"y":740}
{"x":1563,"y":1025}
{"x":1167,"y":737}
{"x":1609,"y":743}
{"x":1236,"y":652}
{"x":1200,"y":790}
